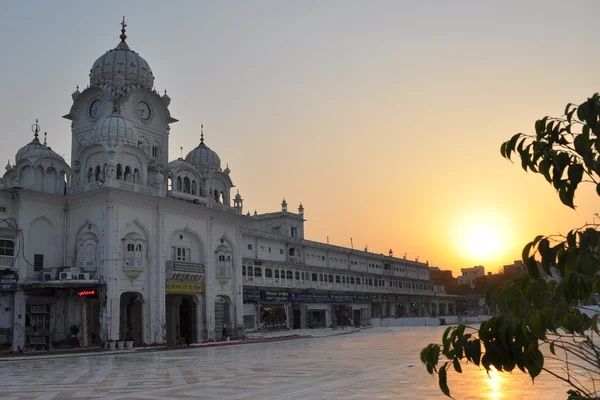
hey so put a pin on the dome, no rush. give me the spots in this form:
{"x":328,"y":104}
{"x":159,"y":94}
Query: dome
{"x":34,"y":150}
{"x":114,"y":126}
{"x":121,"y":69}
{"x":203,"y":156}
{"x":179,"y":164}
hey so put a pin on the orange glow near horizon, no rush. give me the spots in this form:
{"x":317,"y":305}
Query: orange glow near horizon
{"x":384,"y":120}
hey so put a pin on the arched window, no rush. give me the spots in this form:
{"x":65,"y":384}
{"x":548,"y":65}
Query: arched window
{"x":314,"y":277}
{"x":330,"y":278}
{"x":320,"y":277}
{"x":179,"y":184}
{"x":289,"y":275}
{"x":277,"y":273}
{"x":90,"y":174}
{"x":119,"y":171}
{"x":243,"y":270}
{"x":297,"y":276}
{"x":127,"y":175}
{"x":221,"y":257}
{"x":194,"y":188}
{"x":268,"y":273}
{"x":291,"y":251}
{"x":222,"y":198}
{"x":343,"y":279}
{"x":337,"y":279}
{"x":216,"y":194}
{"x":352,"y":280}
{"x":186,"y":185}
{"x":98,"y":170}
{"x":169,"y":182}
{"x":136,"y":176}
{"x":257,"y":272}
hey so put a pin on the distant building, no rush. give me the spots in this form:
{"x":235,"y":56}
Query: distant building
{"x":516,"y":269}
{"x":469,"y":275}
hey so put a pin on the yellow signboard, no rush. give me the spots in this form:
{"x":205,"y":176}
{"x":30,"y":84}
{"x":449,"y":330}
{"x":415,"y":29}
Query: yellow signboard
{"x":184,"y":287}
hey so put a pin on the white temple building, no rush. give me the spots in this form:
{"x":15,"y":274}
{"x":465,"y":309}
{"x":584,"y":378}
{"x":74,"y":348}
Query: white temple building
{"x":123,"y":245}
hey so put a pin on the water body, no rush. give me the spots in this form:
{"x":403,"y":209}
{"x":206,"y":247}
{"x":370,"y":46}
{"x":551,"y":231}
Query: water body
{"x":379,"y":363}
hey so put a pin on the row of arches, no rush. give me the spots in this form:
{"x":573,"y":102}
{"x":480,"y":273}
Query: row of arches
{"x":127,"y":174}
{"x":42,"y":179}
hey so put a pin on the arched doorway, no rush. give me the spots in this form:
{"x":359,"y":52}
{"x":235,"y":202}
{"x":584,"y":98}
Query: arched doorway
{"x":181,"y":319}
{"x":131,"y":323}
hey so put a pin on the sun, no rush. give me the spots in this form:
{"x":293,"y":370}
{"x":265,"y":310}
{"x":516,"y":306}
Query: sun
{"x":481,"y":236}
{"x":482,"y":241}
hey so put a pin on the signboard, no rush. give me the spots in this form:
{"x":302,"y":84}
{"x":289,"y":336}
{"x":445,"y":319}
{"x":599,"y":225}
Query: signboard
{"x":8,"y":283}
{"x":275,"y":296}
{"x":87,"y":293}
{"x":251,"y":294}
{"x":184,"y":287}
{"x":182,"y":266}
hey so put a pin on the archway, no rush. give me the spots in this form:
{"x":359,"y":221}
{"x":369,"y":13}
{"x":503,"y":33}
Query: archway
{"x":181,"y":319}
{"x":131,"y":323}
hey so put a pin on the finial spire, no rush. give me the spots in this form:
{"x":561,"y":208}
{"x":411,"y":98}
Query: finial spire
{"x":123,"y":25}
{"x":35,"y":128}
{"x":202,"y":133}
{"x":45,"y":137}
{"x":78,"y":88}
{"x":181,"y":148}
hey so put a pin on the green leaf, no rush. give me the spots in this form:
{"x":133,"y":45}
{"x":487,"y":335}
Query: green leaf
{"x":532,"y":268}
{"x":443,"y":381}
{"x":457,"y":366}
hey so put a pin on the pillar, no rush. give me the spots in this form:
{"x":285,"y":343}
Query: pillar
{"x":18,"y":339}
{"x":209,"y":276}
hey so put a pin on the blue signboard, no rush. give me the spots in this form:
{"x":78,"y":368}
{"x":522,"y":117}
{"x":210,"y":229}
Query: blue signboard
{"x":274,"y":296}
{"x":8,"y":283}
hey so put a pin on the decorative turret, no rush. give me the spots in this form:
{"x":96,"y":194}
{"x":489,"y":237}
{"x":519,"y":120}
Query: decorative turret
{"x":284,"y":205}
{"x":301,"y":210}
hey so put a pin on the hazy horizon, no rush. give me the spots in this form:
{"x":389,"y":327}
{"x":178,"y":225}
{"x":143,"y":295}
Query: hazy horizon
{"x":384,"y":119}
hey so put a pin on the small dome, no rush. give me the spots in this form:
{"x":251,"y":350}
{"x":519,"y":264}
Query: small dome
{"x":178,"y":164}
{"x":34,"y":150}
{"x":8,"y":166}
{"x":121,"y":69}
{"x":238,"y":196}
{"x":114,"y":126}
{"x":203,"y":157}
{"x":227,"y":171}
{"x":166,"y":99}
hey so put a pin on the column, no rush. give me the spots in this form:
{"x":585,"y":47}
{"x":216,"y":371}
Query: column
{"x":111,"y":309}
{"x":84,"y":324}
{"x":18,"y":340}
{"x":157,"y":302}
{"x":239,"y":328}
{"x":209,"y":276}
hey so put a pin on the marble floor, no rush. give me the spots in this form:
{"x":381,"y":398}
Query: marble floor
{"x":379,"y":363}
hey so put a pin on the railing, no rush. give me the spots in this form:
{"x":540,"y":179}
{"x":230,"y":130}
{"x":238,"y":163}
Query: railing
{"x":7,"y":261}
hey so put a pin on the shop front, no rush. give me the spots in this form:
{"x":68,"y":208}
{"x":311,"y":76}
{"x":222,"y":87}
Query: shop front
{"x":62,"y":315}
{"x":251,"y":299}
{"x":274,"y":309}
{"x":8,"y":287}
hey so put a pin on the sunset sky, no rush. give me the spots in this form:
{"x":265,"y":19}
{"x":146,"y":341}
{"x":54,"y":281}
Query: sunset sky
{"x":384,"y":118}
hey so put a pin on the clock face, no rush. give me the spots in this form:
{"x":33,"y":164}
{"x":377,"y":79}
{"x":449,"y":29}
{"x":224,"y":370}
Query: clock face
{"x":95,"y":109}
{"x":143,"y":110}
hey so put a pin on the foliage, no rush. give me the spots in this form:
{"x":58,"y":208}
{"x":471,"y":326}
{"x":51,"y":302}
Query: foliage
{"x":539,"y":326}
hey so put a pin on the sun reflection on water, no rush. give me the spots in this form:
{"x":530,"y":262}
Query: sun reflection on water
{"x":495,"y":383}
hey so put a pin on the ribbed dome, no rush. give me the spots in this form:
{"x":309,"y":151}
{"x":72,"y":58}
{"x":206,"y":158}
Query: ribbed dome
{"x":203,"y":156}
{"x":121,"y":70}
{"x":114,"y":126}
{"x":34,"y":150}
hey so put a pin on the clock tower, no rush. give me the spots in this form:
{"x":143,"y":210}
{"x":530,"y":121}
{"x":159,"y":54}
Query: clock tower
{"x":120,"y":125}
